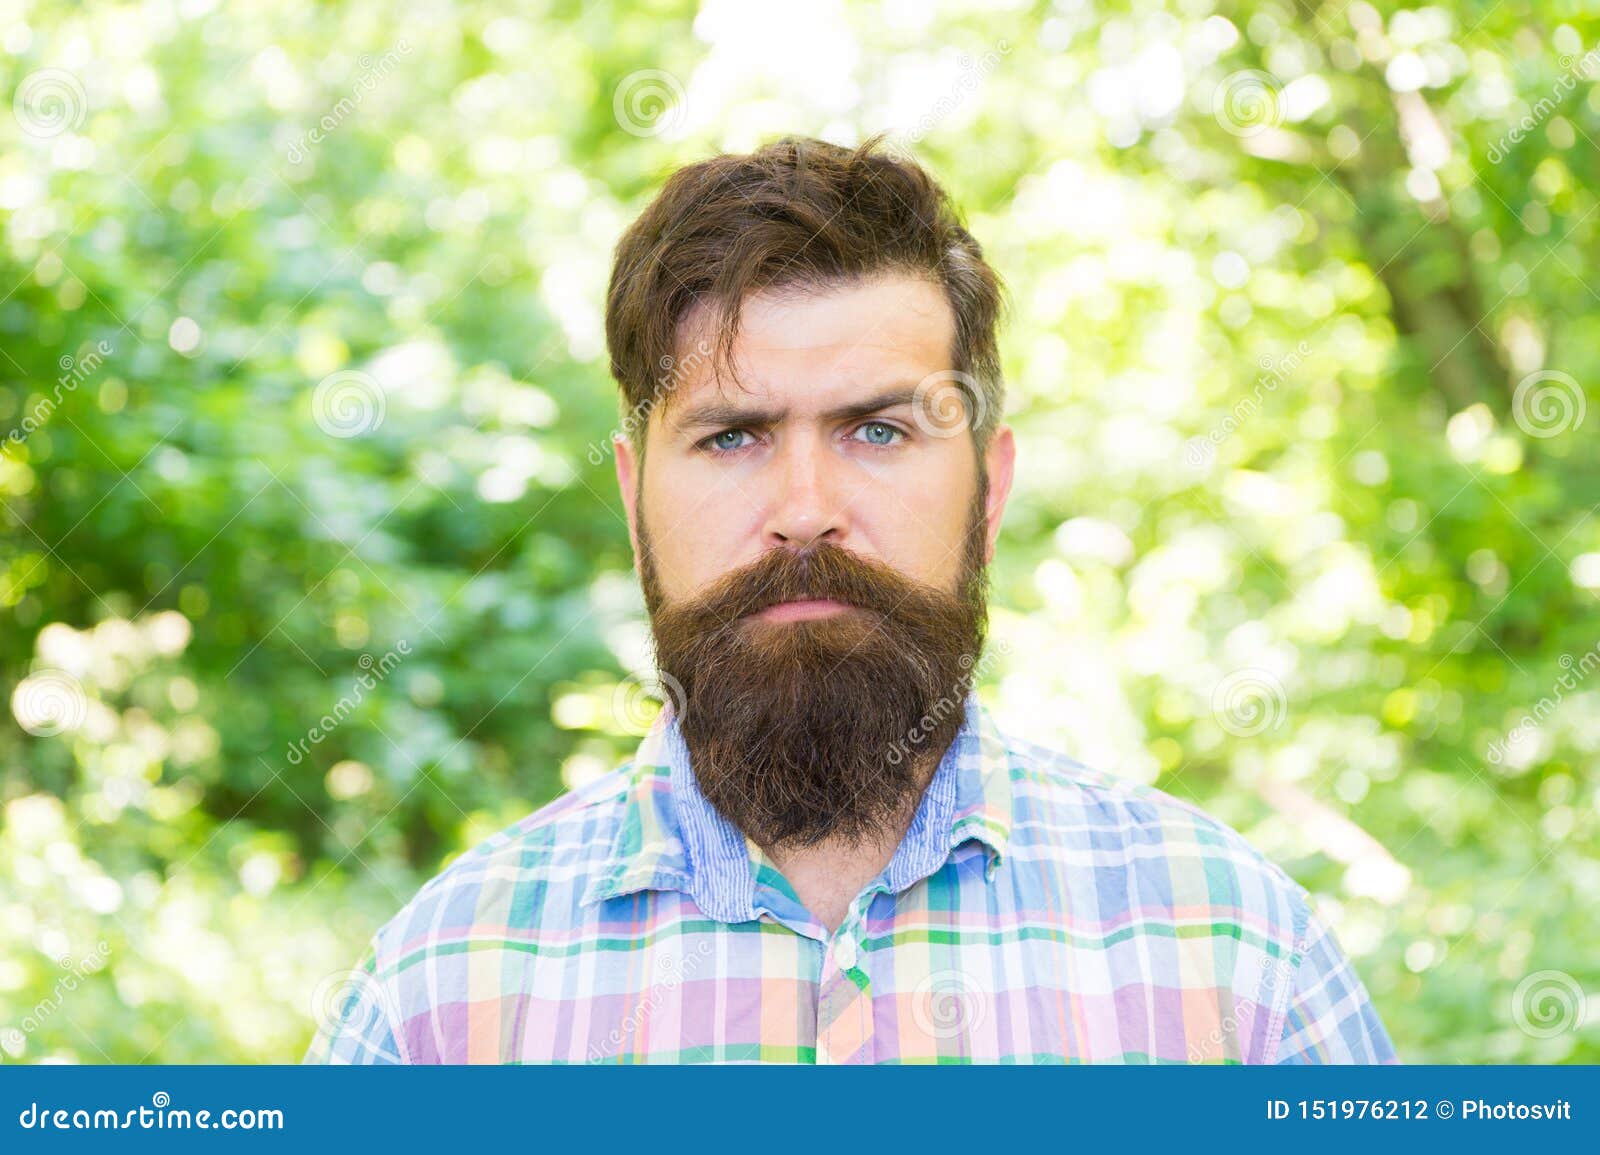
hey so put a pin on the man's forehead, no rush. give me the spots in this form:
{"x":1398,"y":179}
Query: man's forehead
{"x":887,"y":313}
{"x":822,"y":347}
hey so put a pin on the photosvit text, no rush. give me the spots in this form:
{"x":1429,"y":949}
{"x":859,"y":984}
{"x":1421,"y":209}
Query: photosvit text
{"x":1405,"y":1109}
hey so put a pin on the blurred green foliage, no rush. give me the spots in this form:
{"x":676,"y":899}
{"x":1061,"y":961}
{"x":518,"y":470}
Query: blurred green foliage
{"x":1304,"y":530}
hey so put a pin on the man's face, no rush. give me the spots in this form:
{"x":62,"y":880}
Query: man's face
{"x":734,"y":471}
{"x":812,"y":550}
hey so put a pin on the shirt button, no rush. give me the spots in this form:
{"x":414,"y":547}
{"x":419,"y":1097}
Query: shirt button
{"x":844,"y":953}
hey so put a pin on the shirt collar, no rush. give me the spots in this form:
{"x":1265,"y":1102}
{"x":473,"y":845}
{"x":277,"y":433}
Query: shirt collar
{"x":672,"y":838}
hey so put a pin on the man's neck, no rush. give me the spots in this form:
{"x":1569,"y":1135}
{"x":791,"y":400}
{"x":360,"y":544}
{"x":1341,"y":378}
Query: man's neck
{"x":829,"y":874}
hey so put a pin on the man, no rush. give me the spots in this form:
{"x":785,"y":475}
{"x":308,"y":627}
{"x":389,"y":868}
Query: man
{"x":825,"y":850}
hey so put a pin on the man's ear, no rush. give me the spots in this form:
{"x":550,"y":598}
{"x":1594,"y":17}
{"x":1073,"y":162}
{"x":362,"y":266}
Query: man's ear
{"x":1000,"y":459}
{"x":627,"y":481}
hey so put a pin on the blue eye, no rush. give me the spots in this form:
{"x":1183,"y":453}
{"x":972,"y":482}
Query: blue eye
{"x":880,"y":432}
{"x":717,"y":440}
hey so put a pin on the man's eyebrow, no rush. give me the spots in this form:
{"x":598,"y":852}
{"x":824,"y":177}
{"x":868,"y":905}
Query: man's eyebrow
{"x":894,"y":396}
{"x":727,"y":415}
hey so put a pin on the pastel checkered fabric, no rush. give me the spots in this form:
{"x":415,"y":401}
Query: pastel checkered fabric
{"x":1036,"y":912}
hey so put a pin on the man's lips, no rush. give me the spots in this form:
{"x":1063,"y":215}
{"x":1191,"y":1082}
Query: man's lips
{"x":802,"y":610}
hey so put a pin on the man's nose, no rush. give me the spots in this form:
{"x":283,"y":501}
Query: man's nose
{"x":807,"y":503}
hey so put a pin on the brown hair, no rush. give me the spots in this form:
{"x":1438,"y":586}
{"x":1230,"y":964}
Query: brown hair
{"x":795,"y":214}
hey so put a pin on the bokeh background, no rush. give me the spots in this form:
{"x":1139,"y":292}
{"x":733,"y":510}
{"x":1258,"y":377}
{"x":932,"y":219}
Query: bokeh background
{"x":313,"y":573}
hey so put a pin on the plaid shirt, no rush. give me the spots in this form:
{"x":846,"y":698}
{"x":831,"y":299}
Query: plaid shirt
{"x":1037,"y":911}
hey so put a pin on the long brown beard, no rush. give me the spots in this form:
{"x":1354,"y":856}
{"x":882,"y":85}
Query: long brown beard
{"x":820,"y":728}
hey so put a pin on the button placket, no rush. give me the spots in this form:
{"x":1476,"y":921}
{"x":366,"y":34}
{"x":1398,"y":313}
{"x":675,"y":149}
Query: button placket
{"x":845,"y":1020}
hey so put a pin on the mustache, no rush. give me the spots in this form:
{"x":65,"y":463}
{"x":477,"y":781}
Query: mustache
{"x":823,"y":571}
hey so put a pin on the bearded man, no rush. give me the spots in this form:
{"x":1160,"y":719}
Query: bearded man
{"x":825,"y":850}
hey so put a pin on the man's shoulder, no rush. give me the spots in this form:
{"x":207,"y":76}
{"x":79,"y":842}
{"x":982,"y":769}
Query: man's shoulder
{"x":569,"y":829}
{"x":560,"y":843}
{"x":1106,"y":820}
